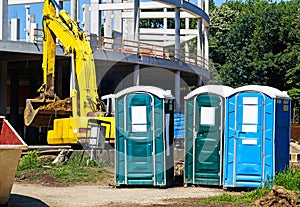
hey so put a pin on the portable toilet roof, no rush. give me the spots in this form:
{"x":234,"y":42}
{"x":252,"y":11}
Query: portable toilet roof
{"x":220,"y":90}
{"x":268,"y":90}
{"x":160,"y":93}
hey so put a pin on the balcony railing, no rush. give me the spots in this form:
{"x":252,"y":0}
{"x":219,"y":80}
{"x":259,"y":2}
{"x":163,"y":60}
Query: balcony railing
{"x":141,"y":48}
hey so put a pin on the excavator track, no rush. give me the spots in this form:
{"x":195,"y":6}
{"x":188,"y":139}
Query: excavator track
{"x":41,"y":113}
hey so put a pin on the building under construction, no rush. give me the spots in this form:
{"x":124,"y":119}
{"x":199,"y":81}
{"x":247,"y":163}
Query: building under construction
{"x":126,"y":52}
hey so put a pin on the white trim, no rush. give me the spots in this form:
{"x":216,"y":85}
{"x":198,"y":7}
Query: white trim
{"x":160,"y":93}
{"x":166,"y":142}
{"x":19,"y":2}
{"x":269,"y":91}
{"x":221,"y":90}
{"x":274,"y":137}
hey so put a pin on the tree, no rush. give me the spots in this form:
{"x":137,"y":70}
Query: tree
{"x":221,"y":19}
{"x":255,"y":43}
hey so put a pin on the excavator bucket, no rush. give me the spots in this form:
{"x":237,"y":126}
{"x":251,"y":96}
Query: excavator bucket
{"x":41,"y":113}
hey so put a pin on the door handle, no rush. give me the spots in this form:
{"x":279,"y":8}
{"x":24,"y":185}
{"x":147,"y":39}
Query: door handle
{"x":240,"y":132}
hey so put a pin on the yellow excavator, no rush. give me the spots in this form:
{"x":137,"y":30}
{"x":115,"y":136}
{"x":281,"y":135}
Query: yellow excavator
{"x":83,"y":114}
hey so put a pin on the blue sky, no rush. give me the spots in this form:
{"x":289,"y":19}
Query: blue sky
{"x":20,"y":12}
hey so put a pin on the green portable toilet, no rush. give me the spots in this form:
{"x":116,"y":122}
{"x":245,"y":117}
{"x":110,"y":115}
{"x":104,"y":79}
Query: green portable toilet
{"x":204,"y":134}
{"x":144,"y":121}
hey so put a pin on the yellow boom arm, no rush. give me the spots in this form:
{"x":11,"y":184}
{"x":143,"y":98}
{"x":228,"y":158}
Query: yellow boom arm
{"x":85,"y":100}
{"x":75,"y":42}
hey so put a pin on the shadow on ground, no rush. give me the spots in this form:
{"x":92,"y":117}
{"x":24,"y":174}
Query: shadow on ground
{"x":24,"y":201}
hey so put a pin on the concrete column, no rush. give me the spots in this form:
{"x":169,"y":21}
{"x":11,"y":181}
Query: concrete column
{"x":136,"y":19}
{"x":30,"y":25}
{"x":14,"y":98}
{"x":15,"y":29}
{"x":73,"y":9}
{"x":199,"y":39}
{"x":95,"y":18}
{"x":118,"y":22}
{"x":200,"y":81}
{"x":108,"y":21}
{"x":3,"y":87}
{"x":4,"y":20}
{"x":177,"y":33}
{"x":27,"y":29}
{"x":200,"y":4}
{"x":206,"y":9}
{"x":86,"y":18}
{"x":177,"y":91}
{"x":187,"y":48}
{"x":127,"y":24}
{"x":108,"y":27}
{"x":206,"y":46}
{"x":136,"y":75}
{"x":117,"y":19}
{"x":165,"y":24}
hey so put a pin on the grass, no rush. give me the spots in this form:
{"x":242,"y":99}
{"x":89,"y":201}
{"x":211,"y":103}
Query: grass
{"x":32,"y":168}
{"x":289,"y":179}
{"x":87,"y":171}
{"x":227,"y":199}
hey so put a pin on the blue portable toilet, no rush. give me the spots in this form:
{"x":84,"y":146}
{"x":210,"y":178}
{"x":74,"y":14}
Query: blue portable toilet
{"x":204,"y":134}
{"x":257,"y":136}
{"x":144,"y":121}
{"x":178,"y":126}
{"x":178,"y":131}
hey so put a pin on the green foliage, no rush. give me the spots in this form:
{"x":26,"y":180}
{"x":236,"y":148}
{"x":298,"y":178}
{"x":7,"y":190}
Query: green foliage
{"x":249,"y":197}
{"x":256,"y":42}
{"x":289,"y":179}
{"x":77,"y":169}
{"x":224,"y":197}
{"x":76,"y":173}
{"x":30,"y":161}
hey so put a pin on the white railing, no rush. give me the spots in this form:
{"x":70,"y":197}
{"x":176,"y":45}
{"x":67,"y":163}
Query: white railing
{"x":145,"y":49}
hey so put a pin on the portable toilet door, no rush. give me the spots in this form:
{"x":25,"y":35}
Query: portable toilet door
{"x":204,"y":115}
{"x":249,"y":153}
{"x":282,"y":134}
{"x":144,"y":136}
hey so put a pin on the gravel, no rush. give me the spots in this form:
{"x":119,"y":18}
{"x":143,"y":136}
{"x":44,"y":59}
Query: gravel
{"x":28,"y":195}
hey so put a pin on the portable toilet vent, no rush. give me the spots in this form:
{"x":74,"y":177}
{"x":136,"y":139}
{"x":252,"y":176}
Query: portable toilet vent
{"x":144,"y":120}
{"x":257,"y":136}
{"x":204,"y":133}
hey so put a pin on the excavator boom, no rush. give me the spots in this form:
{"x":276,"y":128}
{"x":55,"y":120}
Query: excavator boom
{"x":84,"y":102}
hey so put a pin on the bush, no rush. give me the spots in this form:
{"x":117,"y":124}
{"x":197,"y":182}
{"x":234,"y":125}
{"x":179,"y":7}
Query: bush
{"x":79,"y":168}
{"x":289,"y":179}
{"x":30,"y":161}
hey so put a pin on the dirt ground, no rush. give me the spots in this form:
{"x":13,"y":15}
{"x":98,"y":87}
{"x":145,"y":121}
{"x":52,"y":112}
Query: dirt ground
{"x":48,"y":191}
{"x":36,"y":195}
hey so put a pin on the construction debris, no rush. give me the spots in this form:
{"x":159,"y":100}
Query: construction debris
{"x":278,"y":197}
{"x":58,"y":105}
{"x":179,"y":168}
{"x":62,"y":157}
{"x":295,"y":132}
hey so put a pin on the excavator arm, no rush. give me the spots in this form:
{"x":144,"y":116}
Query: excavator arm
{"x":75,"y":43}
{"x":84,"y":97}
